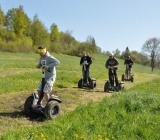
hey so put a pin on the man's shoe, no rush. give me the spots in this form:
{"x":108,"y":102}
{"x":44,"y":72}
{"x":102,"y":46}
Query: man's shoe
{"x":39,"y":106}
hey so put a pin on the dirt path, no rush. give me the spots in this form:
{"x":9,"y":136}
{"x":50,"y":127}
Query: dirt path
{"x":12,"y":106}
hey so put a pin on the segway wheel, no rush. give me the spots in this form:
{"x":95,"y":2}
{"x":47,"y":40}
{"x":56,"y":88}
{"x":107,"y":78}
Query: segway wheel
{"x":28,"y":105}
{"x":123,"y":77}
{"x":121,"y":85}
{"x":132,"y":79}
{"x":107,"y":86}
{"x":52,"y":109}
{"x":80,"y":85}
{"x":92,"y":84}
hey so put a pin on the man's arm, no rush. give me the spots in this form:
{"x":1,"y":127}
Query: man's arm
{"x":81,"y":61}
{"x":89,"y":60}
{"x":116,"y":64}
{"x":53,"y":62}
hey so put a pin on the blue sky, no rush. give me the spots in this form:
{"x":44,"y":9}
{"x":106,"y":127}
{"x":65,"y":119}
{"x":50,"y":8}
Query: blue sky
{"x":114,"y":24}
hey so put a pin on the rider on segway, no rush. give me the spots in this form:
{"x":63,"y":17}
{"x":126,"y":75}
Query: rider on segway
{"x":85,"y":62}
{"x":50,"y":74}
{"x":128,"y":62}
{"x":112,"y":66}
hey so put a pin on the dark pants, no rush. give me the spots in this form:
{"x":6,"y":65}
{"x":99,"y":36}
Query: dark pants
{"x":86,"y":75}
{"x":113,"y":75}
{"x":128,"y":72}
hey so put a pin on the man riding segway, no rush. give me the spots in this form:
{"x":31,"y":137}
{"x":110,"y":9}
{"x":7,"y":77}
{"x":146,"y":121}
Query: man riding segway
{"x":33,"y":103}
{"x":128,"y":62}
{"x":128,"y":71}
{"x":112,"y":66}
{"x":86,"y":81}
{"x":85,"y":62}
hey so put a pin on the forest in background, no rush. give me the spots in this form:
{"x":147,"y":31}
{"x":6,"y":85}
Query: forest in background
{"x":19,"y":33}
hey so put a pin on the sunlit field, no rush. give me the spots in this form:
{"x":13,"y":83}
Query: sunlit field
{"x":86,"y":114}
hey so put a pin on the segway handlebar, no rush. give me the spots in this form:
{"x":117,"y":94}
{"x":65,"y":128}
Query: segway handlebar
{"x":84,"y":65}
{"x":111,"y":67}
{"x":44,"y":65}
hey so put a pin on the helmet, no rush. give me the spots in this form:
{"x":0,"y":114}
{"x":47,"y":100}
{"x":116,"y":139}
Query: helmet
{"x":111,"y":54}
{"x":128,"y":57}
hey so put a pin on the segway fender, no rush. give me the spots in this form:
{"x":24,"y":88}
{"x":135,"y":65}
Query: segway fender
{"x":121,"y":85}
{"x":35,"y":99}
{"x":53,"y":97}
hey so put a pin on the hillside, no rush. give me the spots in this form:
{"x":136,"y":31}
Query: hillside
{"x":19,"y":78}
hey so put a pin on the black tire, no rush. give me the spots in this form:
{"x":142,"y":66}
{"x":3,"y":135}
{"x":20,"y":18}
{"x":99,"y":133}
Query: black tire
{"x":28,"y":105}
{"x":52,"y":109}
{"x":80,"y":83}
{"x":107,"y":86}
{"x":95,"y":84}
{"x":132,"y":79}
{"x":120,"y":87}
{"x":123,"y":77}
{"x":92,"y":84}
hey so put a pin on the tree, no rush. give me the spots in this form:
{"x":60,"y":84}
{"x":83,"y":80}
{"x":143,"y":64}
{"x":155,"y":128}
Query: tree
{"x":91,"y":46}
{"x":152,"y":48}
{"x":20,"y":22}
{"x":125,"y":53}
{"x":2,"y":23}
{"x":66,"y":42}
{"x":2,"y":18}
{"x":127,"y":49}
{"x":54,"y":37}
{"x":39,"y":33}
{"x":116,"y":53}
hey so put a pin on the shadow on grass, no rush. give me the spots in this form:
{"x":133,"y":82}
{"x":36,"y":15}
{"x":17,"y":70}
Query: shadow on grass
{"x":21,"y":114}
{"x":88,"y":89}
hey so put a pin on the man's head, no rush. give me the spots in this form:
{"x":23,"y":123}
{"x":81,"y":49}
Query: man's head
{"x":84,"y":53}
{"x":111,"y":55}
{"x":42,"y":51}
{"x":128,"y":57}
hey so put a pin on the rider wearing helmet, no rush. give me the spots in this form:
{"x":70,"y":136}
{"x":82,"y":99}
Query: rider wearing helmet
{"x":128,"y":62}
{"x":112,"y":66}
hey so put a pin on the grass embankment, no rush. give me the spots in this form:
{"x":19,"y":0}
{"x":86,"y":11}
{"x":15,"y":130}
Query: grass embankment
{"x":131,"y":114}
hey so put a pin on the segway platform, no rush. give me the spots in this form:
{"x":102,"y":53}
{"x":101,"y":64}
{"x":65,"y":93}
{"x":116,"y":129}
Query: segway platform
{"x":108,"y":87}
{"x":50,"y":111}
{"x":124,"y":78}
{"x":52,"y":108}
{"x":91,"y":85}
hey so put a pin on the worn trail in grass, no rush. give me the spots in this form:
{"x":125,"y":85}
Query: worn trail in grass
{"x":11,"y":106}
{"x":19,"y":78}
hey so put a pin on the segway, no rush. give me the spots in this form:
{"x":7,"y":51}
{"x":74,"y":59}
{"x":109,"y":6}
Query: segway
{"x":128,"y":75}
{"x":108,"y":87}
{"x":81,"y":83}
{"x":51,"y":110}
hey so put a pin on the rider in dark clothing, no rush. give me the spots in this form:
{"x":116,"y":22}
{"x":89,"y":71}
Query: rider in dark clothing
{"x":128,"y":62}
{"x":85,"y":62}
{"x":112,"y":66}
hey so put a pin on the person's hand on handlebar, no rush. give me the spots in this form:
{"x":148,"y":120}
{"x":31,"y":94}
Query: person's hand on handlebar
{"x":46,"y":67}
{"x":109,"y":67}
{"x":38,"y":67}
{"x":85,"y":63}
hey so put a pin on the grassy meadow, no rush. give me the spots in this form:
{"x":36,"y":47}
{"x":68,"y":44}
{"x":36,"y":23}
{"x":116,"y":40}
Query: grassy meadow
{"x":85,"y":114}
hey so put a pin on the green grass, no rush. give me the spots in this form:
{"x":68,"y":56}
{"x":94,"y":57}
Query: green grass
{"x":133,"y":114}
{"x":18,"y":72}
{"x":130,"y":114}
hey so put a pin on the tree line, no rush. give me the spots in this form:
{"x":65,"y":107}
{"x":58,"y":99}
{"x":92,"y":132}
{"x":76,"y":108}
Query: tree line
{"x":149,"y":55}
{"x":19,"y":33}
